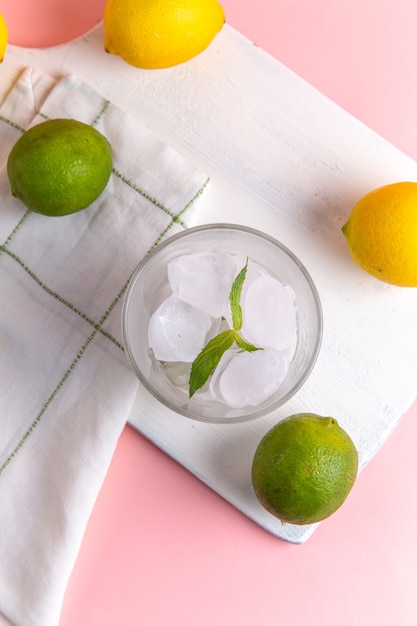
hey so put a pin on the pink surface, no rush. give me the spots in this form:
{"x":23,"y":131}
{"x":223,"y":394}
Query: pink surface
{"x":161,"y":549}
{"x":44,"y":23}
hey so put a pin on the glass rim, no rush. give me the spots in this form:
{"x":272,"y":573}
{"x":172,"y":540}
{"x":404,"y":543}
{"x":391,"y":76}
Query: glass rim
{"x":256,"y":413}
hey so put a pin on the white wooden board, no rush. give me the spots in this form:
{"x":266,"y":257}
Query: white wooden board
{"x":286,"y":160}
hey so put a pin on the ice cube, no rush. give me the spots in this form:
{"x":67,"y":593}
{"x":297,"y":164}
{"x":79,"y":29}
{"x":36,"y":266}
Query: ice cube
{"x":269,"y":314}
{"x":178,"y":373}
{"x":249,"y":378}
{"x":215,"y":377}
{"x":177,"y":330}
{"x":203,"y":280}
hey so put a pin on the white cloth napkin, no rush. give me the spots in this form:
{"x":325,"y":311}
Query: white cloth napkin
{"x":66,"y":387}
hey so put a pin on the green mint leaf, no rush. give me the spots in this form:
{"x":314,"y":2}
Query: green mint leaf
{"x":208,"y":359}
{"x":245,"y":345}
{"x":234,"y":297}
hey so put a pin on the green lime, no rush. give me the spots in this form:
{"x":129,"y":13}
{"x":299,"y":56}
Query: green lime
{"x":59,"y":166}
{"x":304,"y":468}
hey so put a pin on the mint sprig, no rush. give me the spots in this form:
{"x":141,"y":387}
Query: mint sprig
{"x":234,"y":298}
{"x":209,"y":357}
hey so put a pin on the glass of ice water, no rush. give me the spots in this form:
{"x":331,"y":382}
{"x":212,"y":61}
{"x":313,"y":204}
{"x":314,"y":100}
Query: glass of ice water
{"x":150,"y":300}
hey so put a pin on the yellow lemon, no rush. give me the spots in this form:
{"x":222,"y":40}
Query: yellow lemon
{"x":59,"y":166}
{"x":304,"y":468}
{"x":3,"y":37}
{"x":153,"y":34}
{"x":381,"y":233}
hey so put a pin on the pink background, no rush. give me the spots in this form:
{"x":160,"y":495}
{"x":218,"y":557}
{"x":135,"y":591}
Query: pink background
{"x":161,"y":549}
